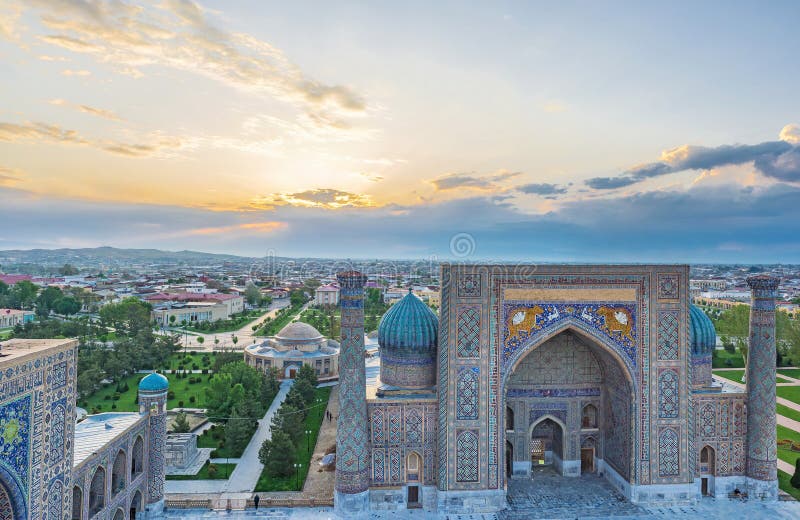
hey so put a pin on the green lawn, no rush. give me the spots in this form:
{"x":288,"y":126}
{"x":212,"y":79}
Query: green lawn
{"x":302,"y":454}
{"x":791,"y":372}
{"x":183,"y":391}
{"x":786,"y":454}
{"x":235,"y":323}
{"x":223,"y":472}
{"x":189,"y":360}
{"x":718,"y":361}
{"x":733,"y":375}
{"x":791,"y":393}
{"x":284,"y":316}
{"x":788,"y":412}
{"x":783,"y":483}
{"x":211,"y":438}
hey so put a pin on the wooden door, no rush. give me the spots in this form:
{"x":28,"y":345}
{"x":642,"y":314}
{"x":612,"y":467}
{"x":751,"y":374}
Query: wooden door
{"x":704,"y":487}
{"x":413,"y":495}
{"x":587,"y":460}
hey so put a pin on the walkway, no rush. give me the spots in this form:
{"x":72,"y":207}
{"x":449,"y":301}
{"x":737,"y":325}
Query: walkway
{"x":549,"y":495}
{"x":245,"y":476}
{"x":248,"y":469}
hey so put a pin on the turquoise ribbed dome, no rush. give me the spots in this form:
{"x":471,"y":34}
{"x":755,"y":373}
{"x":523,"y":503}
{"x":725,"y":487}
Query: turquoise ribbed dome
{"x":408,"y":324}
{"x":154,"y":383}
{"x":702,"y":335}
{"x":407,"y":337}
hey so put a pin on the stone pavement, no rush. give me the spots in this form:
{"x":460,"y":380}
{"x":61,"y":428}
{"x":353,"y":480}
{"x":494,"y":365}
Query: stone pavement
{"x":549,"y":495}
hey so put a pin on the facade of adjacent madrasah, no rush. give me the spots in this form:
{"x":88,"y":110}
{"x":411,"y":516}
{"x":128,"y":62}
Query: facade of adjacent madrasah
{"x":586,"y":369}
{"x":108,"y":466}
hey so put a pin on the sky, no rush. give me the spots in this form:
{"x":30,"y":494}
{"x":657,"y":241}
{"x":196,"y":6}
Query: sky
{"x":559,"y":131}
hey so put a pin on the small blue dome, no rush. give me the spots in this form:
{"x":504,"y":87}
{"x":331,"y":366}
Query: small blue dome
{"x":408,"y":324}
{"x":702,"y":335}
{"x":154,"y":383}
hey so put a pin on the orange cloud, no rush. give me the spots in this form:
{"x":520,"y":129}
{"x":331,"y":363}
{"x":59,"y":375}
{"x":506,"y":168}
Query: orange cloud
{"x":258,"y":227}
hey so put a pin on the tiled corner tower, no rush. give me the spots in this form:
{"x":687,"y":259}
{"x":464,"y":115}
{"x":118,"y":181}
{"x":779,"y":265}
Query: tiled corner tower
{"x":762,"y":476}
{"x":352,"y":456}
{"x":153,"y":401}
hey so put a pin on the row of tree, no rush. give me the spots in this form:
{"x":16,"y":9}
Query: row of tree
{"x":733,"y":326}
{"x":279,"y":453}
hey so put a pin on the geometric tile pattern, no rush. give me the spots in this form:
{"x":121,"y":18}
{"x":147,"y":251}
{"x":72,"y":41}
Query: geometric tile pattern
{"x":668,"y":394}
{"x":378,"y":470}
{"x":395,"y":425}
{"x":468,"y":336}
{"x":668,"y":453}
{"x":668,"y":330}
{"x":708,"y":420}
{"x":467,"y":393}
{"x":667,"y":286}
{"x":469,"y":286}
{"x":413,"y":426}
{"x":377,"y":426}
{"x":352,"y":457}
{"x":467,"y":456}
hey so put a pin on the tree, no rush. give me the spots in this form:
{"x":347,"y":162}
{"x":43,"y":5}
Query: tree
{"x":252,"y":294}
{"x":289,"y":420}
{"x":297,"y":298}
{"x":277,"y":454}
{"x":68,"y":270}
{"x":181,"y":424}
{"x":795,"y":481}
{"x":172,"y":319}
{"x":200,"y":339}
{"x":306,"y":391}
{"x":22,"y":295}
{"x":308,"y":373}
{"x":67,"y":306}
{"x":46,"y":301}
{"x":237,"y":432}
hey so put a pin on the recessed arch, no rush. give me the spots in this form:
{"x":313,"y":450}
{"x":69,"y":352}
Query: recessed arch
{"x":77,"y":503}
{"x":137,"y":457}
{"x":614,"y":367}
{"x":97,"y":491}
{"x":12,"y":495}
{"x":589,"y":416}
{"x":119,"y":514}
{"x":118,"y":472}
{"x":413,"y":467}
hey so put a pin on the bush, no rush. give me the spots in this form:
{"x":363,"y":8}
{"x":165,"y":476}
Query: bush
{"x":212,"y":470}
{"x":795,"y":481}
{"x":192,"y":399}
{"x":180,"y":404}
{"x":106,"y":397}
{"x":205,"y":371}
{"x":170,"y":394}
{"x":195,"y":366}
{"x":116,"y":396}
{"x":729,"y":348}
{"x":728,"y":362}
{"x":113,"y":406}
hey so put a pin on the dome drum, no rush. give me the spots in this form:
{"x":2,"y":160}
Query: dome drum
{"x":703,"y":341}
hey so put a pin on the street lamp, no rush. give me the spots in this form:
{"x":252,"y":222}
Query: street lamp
{"x":308,"y":441}
{"x":297,"y":474}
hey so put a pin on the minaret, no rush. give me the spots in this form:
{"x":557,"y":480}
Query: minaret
{"x":352,"y":457}
{"x":153,"y":402}
{"x":762,"y":455}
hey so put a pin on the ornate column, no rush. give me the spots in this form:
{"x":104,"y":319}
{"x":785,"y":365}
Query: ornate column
{"x":352,"y":455}
{"x":762,"y":455}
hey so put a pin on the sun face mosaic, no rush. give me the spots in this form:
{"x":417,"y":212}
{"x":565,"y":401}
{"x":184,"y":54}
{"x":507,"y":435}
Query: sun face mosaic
{"x":616,"y":321}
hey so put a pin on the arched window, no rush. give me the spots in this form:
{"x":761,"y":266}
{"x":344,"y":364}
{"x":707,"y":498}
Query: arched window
{"x":137,"y":459}
{"x":77,"y":503}
{"x":118,"y":473}
{"x":589,"y":416}
{"x":119,"y":514}
{"x":707,"y":460}
{"x":509,"y":418}
{"x":6,"y":509}
{"x":97,"y":492}
{"x":413,"y":467}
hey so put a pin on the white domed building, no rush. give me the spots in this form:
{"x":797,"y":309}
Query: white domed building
{"x":296,"y":344}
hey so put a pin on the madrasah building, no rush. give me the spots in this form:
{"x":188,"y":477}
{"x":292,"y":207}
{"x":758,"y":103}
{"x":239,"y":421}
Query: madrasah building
{"x":581,"y":369}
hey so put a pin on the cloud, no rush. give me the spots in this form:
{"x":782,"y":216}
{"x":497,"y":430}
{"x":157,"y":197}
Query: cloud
{"x":99,"y":112}
{"x":181,"y":35}
{"x":45,"y":57}
{"x":70,"y":72}
{"x":790,"y":134}
{"x":255,"y":227}
{"x":471,"y":181}
{"x":779,"y":160}
{"x":554,"y":107}
{"x":41,"y":132}
{"x":326,"y":198}
{"x":10,"y":177}
{"x":542,"y":189}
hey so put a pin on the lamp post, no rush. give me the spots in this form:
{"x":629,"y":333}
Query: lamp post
{"x":308,"y":441}
{"x":297,"y":467}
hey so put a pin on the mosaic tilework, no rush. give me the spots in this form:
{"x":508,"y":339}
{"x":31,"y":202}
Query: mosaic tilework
{"x":6,"y":510}
{"x":524,"y":321}
{"x":468,"y":329}
{"x":668,"y":340}
{"x":378,"y":466}
{"x":57,"y":431}
{"x":352,"y":457}
{"x":55,"y":500}
{"x":413,"y":426}
{"x":668,"y":286}
{"x":761,"y":433}
{"x":668,"y":453}
{"x":469,"y":285}
{"x":668,"y":394}
{"x":377,"y":428}
{"x":395,"y":425}
{"x":395,"y":465}
{"x":708,"y":420}
{"x":15,"y":438}
{"x":467,"y":388}
{"x":467,"y":456}
{"x":444,"y":381}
